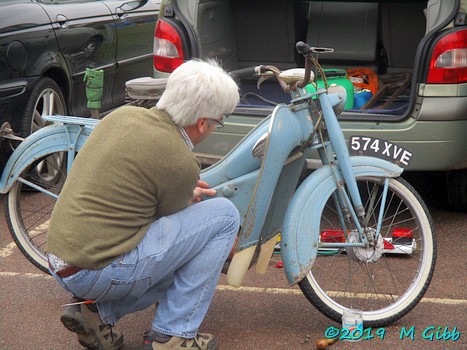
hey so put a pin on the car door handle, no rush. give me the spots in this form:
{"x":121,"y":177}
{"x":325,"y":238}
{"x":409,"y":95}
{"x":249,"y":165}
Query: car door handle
{"x":62,"y":21}
{"x":121,"y":14}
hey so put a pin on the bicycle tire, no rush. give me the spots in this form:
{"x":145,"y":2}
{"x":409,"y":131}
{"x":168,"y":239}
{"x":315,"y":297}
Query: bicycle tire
{"x":28,"y":210}
{"x":389,"y":287}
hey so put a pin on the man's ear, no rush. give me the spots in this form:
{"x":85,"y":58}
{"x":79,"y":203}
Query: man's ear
{"x":201,"y":125}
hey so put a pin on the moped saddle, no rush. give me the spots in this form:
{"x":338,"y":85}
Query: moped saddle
{"x":294,"y":75}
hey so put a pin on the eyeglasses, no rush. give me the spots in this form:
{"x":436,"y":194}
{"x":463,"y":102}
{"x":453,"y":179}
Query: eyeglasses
{"x":219,"y":122}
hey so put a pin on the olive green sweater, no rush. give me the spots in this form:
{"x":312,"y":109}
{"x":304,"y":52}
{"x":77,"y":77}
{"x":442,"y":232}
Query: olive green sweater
{"x":134,"y":168}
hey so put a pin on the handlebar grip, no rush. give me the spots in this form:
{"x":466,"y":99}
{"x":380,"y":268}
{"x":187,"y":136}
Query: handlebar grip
{"x":244,"y":72}
{"x":303,"y":48}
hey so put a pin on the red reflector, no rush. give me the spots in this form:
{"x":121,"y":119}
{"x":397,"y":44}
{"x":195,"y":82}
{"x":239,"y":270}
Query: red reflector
{"x":332,"y":236}
{"x":387,"y":245}
{"x":402,"y":232}
{"x":402,"y":235}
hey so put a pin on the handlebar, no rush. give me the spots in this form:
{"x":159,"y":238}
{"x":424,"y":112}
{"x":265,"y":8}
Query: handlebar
{"x":304,"y":49}
{"x":307,"y":51}
{"x":244,"y":72}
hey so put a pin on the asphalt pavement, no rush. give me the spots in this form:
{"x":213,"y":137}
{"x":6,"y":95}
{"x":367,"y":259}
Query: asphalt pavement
{"x":265,"y":314}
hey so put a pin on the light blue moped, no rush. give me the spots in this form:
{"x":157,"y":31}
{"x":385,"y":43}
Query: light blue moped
{"x":354,"y":235}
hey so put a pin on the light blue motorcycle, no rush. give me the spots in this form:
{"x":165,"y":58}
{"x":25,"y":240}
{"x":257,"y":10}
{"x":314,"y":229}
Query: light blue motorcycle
{"x":354,"y":235}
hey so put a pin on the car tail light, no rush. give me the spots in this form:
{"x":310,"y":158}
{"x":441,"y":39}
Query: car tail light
{"x":448,"y":63}
{"x":332,"y":236}
{"x":168,"y":52}
{"x":402,"y":236}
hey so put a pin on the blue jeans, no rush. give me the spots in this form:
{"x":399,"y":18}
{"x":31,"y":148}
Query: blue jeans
{"x":177,"y":263}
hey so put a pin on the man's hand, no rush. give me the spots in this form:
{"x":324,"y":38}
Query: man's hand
{"x":203,"y":189}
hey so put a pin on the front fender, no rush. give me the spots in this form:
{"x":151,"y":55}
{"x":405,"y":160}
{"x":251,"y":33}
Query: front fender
{"x":300,"y":232}
{"x":53,"y":138}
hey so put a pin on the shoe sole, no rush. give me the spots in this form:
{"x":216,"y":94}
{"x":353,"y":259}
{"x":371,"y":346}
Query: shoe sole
{"x":86,"y":336}
{"x":74,"y":324}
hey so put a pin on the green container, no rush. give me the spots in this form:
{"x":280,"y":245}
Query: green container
{"x":338,"y":77}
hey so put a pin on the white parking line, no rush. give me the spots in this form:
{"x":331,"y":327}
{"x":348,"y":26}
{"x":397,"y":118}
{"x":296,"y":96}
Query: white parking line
{"x":28,"y":275}
{"x":8,"y":250}
{"x":286,"y":291}
{"x":444,"y":301}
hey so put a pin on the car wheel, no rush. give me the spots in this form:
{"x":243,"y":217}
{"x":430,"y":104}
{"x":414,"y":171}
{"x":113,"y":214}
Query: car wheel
{"x":46,"y":99}
{"x":457,"y":189}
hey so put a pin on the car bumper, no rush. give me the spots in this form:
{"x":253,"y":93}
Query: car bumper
{"x":436,"y":145}
{"x":12,"y":89}
{"x":14,"y":95}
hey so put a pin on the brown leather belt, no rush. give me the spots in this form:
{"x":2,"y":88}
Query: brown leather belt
{"x":68,"y":271}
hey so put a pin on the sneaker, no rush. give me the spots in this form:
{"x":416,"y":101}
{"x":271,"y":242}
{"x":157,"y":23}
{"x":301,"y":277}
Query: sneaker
{"x":202,"y":341}
{"x":92,"y":332}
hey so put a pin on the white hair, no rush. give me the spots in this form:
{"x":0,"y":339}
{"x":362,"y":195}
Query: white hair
{"x":198,"y":89}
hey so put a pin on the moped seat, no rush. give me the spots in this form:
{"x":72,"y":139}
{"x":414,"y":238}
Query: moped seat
{"x":146,"y":88}
{"x":294,"y":75}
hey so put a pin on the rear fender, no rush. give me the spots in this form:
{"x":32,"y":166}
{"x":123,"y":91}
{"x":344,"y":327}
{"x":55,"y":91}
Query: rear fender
{"x":53,"y":138}
{"x":300,"y":233}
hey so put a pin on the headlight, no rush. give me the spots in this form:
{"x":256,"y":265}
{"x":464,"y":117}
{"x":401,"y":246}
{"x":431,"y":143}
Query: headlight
{"x":342,"y":93}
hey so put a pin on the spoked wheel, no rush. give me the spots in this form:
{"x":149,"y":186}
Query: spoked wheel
{"x":384,"y":282}
{"x":28,"y":208}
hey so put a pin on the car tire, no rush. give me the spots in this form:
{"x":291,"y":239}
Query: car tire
{"x":457,"y":189}
{"x":46,"y":99}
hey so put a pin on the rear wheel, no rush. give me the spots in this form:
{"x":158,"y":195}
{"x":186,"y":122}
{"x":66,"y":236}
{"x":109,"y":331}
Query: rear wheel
{"x":29,"y":207}
{"x":384,"y":282}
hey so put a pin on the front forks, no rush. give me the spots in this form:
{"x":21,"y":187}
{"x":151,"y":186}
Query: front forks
{"x":368,"y":238}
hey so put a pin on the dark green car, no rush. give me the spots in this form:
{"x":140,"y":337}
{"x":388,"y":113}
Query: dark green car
{"x":406,"y":62}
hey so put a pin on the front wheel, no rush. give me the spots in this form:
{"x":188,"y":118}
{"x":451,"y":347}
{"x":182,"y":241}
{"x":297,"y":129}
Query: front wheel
{"x":29,"y":207}
{"x":386,"y":281}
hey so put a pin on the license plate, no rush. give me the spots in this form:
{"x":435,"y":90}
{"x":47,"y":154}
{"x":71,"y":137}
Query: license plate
{"x":373,"y":147}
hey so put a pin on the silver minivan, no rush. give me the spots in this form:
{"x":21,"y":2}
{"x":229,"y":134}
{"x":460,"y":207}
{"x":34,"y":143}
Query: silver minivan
{"x":406,"y":62}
